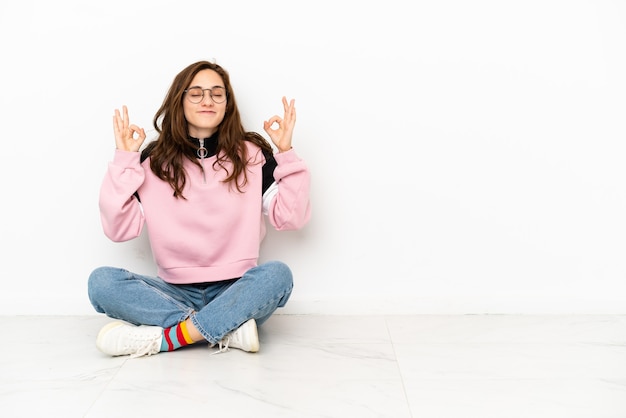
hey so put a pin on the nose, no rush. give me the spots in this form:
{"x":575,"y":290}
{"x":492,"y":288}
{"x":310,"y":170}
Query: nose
{"x":206,"y":98}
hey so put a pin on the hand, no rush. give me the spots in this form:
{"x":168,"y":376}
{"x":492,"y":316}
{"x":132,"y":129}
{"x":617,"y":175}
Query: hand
{"x":281,"y":136}
{"x":125,"y":139}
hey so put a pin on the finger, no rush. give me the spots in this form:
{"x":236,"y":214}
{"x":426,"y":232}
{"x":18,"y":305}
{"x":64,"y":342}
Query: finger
{"x":290,"y":109}
{"x":267,"y":126}
{"x":141,"y":135}
{"x":274,"y":119}
{"x":116,"y":131}
{"x":288,"y":104}
{"x":134,"y":129}
{"x":117,"y":122}
{"x":125,"y":119}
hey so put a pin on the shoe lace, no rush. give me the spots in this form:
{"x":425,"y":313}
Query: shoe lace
{"x":145,"y":347}
{"x":223,"y":345}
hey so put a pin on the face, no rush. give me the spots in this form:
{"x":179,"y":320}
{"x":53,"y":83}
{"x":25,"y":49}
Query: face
{"x":203,"y":118}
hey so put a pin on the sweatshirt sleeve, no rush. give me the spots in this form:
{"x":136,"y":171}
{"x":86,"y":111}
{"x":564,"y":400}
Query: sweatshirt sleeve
{"x":290,"y":208}
{"x":120,"y":211}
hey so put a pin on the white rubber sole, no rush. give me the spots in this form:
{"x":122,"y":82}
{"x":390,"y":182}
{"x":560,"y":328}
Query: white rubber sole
{"x":103,"y":331}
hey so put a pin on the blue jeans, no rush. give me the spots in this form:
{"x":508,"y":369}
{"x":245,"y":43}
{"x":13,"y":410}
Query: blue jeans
{"x":216,"y":310}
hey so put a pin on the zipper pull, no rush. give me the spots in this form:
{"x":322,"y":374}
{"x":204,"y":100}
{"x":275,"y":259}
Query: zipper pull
{"x":202,"y":152}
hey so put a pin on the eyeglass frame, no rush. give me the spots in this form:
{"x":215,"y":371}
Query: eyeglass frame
{"x":210,"y":94}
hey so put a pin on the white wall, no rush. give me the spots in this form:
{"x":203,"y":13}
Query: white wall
{"x":467,"y":157}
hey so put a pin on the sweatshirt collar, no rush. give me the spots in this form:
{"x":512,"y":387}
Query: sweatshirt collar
{"x":209,"y":143}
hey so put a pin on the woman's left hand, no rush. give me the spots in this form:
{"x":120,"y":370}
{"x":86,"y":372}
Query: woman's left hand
{"x":281,"y":136}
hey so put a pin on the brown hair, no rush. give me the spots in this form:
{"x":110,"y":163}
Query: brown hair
{"x":168,"y":151}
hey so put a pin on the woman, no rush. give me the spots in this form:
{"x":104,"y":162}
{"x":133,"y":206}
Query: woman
{"x":201,"y":189}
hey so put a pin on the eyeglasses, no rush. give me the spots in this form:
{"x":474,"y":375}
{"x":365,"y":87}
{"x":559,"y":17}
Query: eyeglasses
{"x":196,"y":94}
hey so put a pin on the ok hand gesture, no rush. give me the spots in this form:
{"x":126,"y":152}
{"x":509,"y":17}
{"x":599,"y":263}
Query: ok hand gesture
{"x":125,"y":139}
{"x":281,"y":136}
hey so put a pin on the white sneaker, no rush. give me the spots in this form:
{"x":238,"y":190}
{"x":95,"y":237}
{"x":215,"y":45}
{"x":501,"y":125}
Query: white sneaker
{"x":120,"y":339}
{"x":245,"y":338}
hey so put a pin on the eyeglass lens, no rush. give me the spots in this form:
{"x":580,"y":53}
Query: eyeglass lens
{"x":196,"y":94}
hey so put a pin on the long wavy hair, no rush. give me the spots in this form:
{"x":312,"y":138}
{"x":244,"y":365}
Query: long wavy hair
{"x":172,"y":146}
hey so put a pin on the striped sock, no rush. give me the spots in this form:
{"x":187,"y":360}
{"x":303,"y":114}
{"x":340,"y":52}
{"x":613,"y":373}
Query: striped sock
{"x":175,"y":337}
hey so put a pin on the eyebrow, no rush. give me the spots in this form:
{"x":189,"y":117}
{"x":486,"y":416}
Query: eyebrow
{"x":200,"y":87}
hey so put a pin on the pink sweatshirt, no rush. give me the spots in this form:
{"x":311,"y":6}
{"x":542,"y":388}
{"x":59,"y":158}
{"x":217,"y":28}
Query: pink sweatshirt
{"x":214,"y":234}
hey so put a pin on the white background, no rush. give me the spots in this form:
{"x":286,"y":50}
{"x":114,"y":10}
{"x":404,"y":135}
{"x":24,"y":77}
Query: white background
{"x":466,"y":157}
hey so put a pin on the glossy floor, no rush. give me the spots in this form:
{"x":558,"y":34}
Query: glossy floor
{"x":328,"y":366}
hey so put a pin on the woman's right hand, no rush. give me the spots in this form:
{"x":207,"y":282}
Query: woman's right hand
{"x":125,"y":139}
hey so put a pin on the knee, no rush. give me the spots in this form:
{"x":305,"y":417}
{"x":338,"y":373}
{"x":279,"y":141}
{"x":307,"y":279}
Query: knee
{"x":100,"y":282}
{"x":280,"y":274}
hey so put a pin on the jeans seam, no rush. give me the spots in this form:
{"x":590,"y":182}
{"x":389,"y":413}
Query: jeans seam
{"x":185,"y":310}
